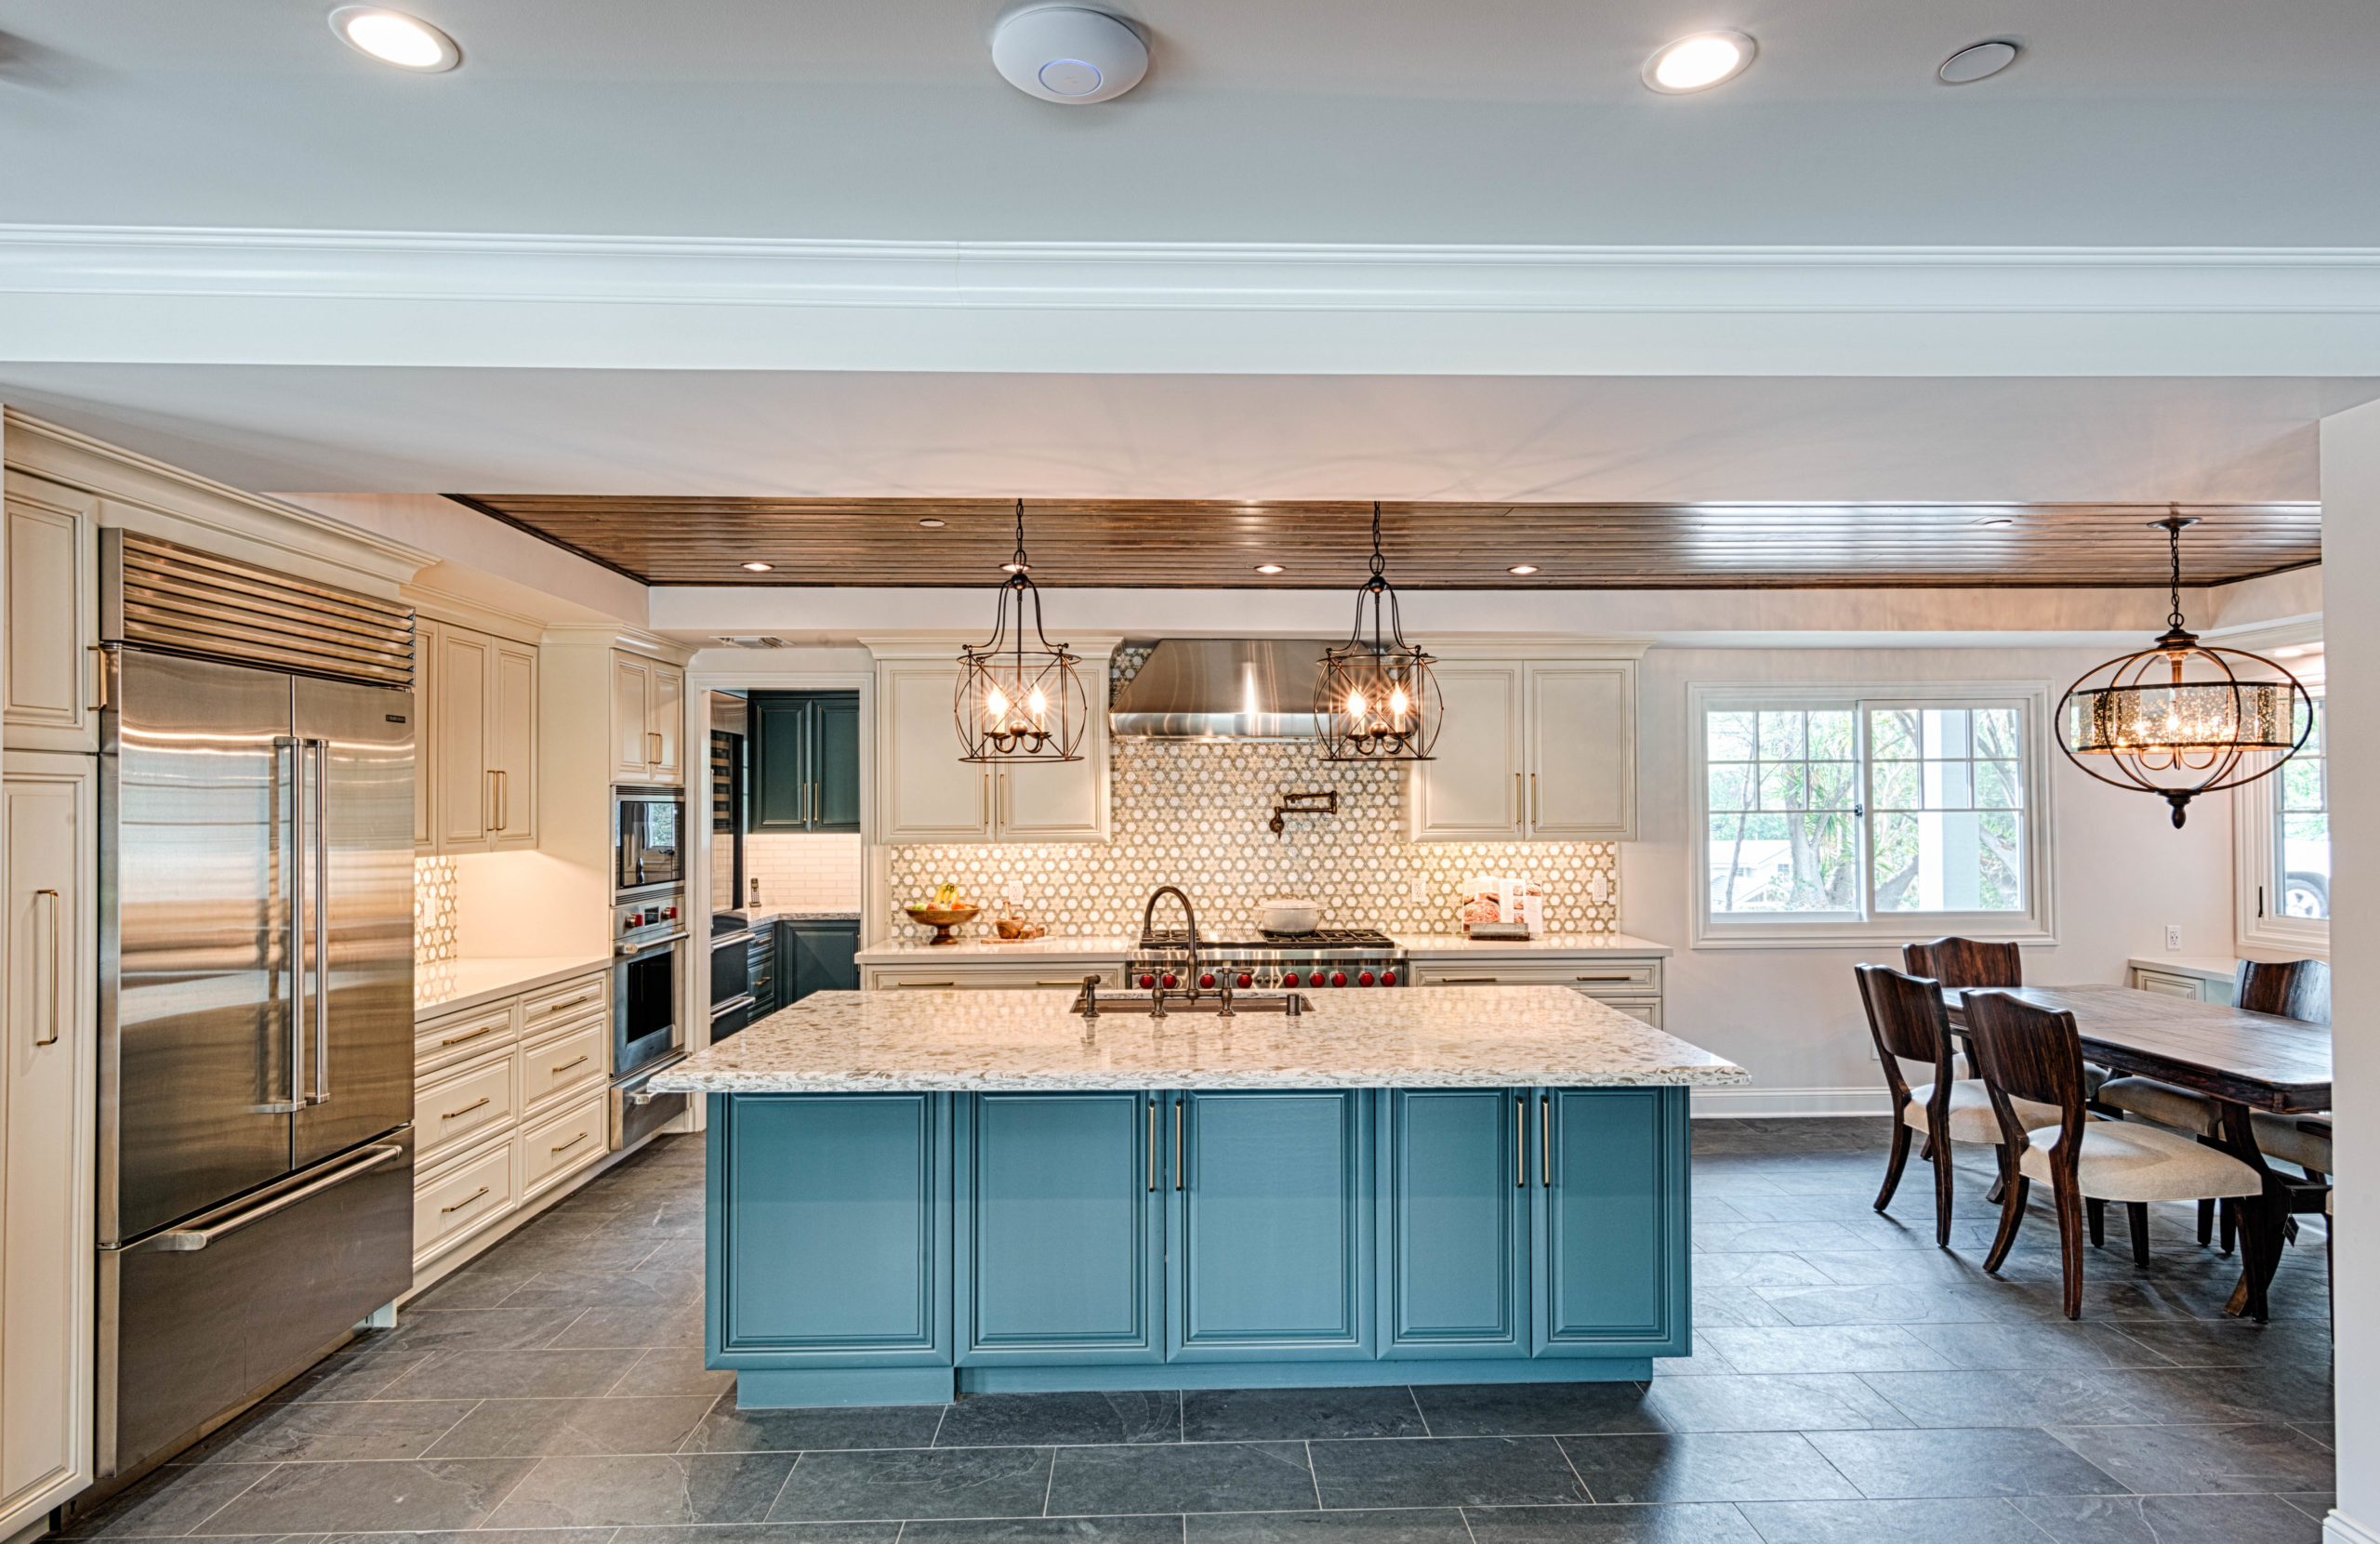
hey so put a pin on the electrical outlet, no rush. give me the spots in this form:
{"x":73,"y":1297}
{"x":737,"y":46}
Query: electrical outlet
{"x":1420,"y":889}
{"x":2173,"y":937}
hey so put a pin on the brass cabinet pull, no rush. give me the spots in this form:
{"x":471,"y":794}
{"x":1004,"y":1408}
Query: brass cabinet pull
{"x":98,"y":676}
{"x":1077,"y":981}
{"x":459,"y":1039}
{"x":465,"y":1109}
{"x":1520,"y":800}
{"x":652,"y":746}
{"x":1532,"y":801}
{"x":1152,"y":1145}
{"x":1466,"y":981}
{"x":568,"y":1145}
{"x":56,"y":907}
{"x":1545,"y":1140}
{"x":988,"y":797}
{"x":1520,"y":1142}
{"x":466,"y":1200}
{"x":1606,"y":978}
{"x":1177,"y":1144}
{"x":591,"y":996}
{"x":921,"y":985}
{"x":567,"y":1066}
{"x":494,"y":795}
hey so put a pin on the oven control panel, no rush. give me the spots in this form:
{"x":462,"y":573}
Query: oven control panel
{"x":641,"y":924}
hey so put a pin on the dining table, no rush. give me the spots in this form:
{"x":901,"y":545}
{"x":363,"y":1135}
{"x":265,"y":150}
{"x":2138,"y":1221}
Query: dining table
{"x":2244,"y":1061}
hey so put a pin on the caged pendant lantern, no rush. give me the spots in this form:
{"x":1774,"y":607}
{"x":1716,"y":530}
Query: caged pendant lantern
{"x":2181,"y":717}
{"x":1377,"y":700}
{"x":1020,"y":700}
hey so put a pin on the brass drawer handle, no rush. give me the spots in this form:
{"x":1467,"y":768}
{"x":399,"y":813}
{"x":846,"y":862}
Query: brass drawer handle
{"x":465,"y":1109}
{"x":1466,"y":981}
{"x":921,"y":985}
{"x":56,"y":927}
{"x":1070,"y":985}
{"x":591,"y":996}
{"x":1177,"y":1144}
{"x":1606,"y":978}
{"x":466,"y":1200}
{"x":568,"y":1145}
{"x":567,"y":1066}
{"x":1545,"y":1140}
{"x":1152,"y":1145}
{"x":1520,"y":1142}
{"x":459,"y":1039}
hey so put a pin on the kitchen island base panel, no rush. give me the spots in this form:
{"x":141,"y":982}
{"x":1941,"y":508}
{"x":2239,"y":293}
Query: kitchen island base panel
{"x":826,"y":1387}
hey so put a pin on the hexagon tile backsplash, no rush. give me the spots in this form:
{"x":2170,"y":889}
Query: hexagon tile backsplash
{"x":1193,"y":814}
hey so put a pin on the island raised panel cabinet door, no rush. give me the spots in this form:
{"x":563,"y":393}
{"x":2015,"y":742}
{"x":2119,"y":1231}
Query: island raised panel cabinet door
{"x":829,"y":1231}
{"x":1454,"y":1228}
{"x":1582,"y":751}
{"x":1059,"y":1227}
{"x":1268,"y":1235}
{"x":1608,"y":1235}
{"x":926,"y":792}
{"x":1473,"y":789}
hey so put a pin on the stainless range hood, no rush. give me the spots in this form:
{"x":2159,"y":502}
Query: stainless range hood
{"x":1223,"y":689}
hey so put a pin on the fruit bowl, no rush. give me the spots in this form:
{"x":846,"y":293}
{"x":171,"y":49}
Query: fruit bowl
{"x":942,"y":920}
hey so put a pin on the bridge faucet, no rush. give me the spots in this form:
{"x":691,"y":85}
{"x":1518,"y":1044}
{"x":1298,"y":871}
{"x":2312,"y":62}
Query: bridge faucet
{"x":1189,"y":914}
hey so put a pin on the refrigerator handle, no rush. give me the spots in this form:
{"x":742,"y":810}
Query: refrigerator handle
{"x":318,"y":894}
{"x":293,"y":888}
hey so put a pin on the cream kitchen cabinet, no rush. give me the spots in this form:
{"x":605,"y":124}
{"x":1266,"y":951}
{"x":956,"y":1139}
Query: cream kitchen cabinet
{"x":47,"y":1099}
{"x":476,"y":752}
{"x":924,"y":793}
{"x":1530,"y":750}
{"x":49,"y":689}
{"x":648,"y":717}
{"x":1628,"y":982}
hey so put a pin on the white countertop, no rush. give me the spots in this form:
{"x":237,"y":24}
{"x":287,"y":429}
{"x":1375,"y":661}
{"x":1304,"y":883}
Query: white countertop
{"x":452,"y":985}
{"x":1097,"y":951}
{"x":762,"y":916}
{"x":973,"y":1041}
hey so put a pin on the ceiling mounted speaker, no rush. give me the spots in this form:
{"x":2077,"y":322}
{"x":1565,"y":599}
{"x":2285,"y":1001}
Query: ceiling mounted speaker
{"x":1068,"y":54}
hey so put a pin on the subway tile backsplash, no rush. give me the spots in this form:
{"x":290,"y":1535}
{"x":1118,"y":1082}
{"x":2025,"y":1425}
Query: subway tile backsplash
{"x":798,"y":872}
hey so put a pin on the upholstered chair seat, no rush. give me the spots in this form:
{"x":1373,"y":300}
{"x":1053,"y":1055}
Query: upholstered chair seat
{"x":2167,"y":1105}
{"x":1971,"y":1117}
{"x":2301,"y":1140}
{"x":2123,"y":1160}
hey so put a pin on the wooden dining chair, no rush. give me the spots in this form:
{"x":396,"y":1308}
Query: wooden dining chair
{"x":1962,"y":962}
{"x":1907,"y":1022}
{"x":2032,"y":1053}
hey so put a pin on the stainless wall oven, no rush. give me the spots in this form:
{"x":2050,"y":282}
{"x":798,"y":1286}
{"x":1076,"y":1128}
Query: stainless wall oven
{"x":652,"y":944}
{"x":648,"y":847}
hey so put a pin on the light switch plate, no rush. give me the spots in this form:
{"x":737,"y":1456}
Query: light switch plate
{"x":2173,"y":937}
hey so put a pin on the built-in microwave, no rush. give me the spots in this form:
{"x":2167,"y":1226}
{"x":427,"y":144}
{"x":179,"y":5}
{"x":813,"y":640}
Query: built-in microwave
{"x":648,"y":833}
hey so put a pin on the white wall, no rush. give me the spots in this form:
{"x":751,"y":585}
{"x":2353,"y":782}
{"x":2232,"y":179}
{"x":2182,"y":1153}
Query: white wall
{"x":1792,"y":1016}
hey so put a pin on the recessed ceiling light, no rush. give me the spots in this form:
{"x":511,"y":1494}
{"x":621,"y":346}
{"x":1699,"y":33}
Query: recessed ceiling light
{"x":393,"y":37}
{"x":1698,"y":62}
{"x":1269,"y":568}
{"x":1977,"y":62}
{"x":760,"y":568}
{"x":1521,"y":568}
{"x":932,"y":524}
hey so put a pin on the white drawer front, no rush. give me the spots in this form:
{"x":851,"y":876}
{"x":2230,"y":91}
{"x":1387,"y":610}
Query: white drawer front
{"x":453,"y":1111}
{"x":572,"y":1059}
{"x":465,"y":1198}
{"x":1052,"y":978}
{"x":1596,"y":978}
{"x":555,"y":1146}
{"x":448,"y":1041}
{"x":542,"y":1011}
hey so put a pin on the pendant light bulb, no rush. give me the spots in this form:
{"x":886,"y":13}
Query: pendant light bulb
{"x":1396,"y":703}
{"x":1356,"y":704}
{"x":996,"y":704}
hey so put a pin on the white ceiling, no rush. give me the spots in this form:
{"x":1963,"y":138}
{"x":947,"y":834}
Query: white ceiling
{"x":625,"y":432}
{"x":2158,"y":122}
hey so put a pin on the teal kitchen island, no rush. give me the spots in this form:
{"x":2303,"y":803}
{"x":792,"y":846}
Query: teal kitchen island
{"x":918,"y":1194}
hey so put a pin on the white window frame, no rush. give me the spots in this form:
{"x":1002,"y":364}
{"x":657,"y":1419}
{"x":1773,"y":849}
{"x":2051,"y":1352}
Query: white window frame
{"x":2033,"y":700}
{"x":2255,"y":810}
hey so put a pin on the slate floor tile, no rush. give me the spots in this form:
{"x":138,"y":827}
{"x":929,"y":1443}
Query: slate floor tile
{"x":408,"y":1496}
{"x":1770,"y":1403}
{"x":959,"y":1482}
{"x":1991,"y":1398}
{"x":2027,"y":1347}
{"x":1025,"y":1420}
{"x":376,"y":1429}
{"x":728,"y":1533}
{"x":1898,"y":1304}
{"x":637,"y":1328}
{"x":1234,"y":1476}
{"x":1764,"y":1466}
{"x":2194,"y":1459}
{"x":599,"y":1288}
{"x":2316,"y":1504}
{"x":477,"y":1330}
{"x":1470,"y":1472}
{"x":521,"y":1428}
{"x":1754,"y":1270}
{"x":1994,"y":1461}
{"x":353,"y":1375}
{"x":670,"y":1370}
{"x":1042,"y":1530}
{"x":469,"y":1287}
{"x":2171,"y":1519}
{"x":508,"y":1375}
{"x":2233,"y":1342}
{"x":1298,"y":1414}
{"x":1533,"y":1409}
{"x":1413,"y":1525}
{"x":728,"y":1429}
{"x":1686,"y":1523}
{"x":171,"y":1502}
{"x":623,"y":1490}
{"x":1964,"y":1521}
{"x":1855,"y":1348}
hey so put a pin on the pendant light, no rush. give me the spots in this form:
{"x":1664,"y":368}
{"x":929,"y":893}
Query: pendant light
{"x":1020,"y":701}
{"x":1377,"y":700}
{"x":2182,"y":717}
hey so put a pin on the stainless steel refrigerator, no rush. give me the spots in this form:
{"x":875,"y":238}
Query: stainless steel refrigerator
{"x":256,"y":1000}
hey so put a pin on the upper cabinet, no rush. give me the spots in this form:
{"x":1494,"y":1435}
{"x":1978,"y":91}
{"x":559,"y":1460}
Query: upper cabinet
{"x":50,"y":691}
{"x":1538,"y":749}
{"x":648,"y":717}
{"x":926,"y":794}
{"x":805,"y":762}
{"x":475,"y":752}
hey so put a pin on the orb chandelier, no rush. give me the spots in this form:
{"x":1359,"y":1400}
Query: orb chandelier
{"x":1020,"y":700}
{"x":2181,"y":717}
{"x":1377,"y":700}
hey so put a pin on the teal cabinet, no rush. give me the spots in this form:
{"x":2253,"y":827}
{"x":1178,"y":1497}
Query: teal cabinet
{"x":1058,"y":1240}
{"x":828,"y":1224}
{"x":1608,"y":1230}
{"x":1269,"y":1230}
{"x":805,"y":762}
{"x":1456,"y":1184}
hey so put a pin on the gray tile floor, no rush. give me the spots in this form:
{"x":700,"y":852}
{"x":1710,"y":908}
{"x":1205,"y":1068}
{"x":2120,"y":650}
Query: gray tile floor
{"x":1851,"y":1382}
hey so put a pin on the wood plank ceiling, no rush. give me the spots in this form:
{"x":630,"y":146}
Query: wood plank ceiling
{"x":1212,"y":543}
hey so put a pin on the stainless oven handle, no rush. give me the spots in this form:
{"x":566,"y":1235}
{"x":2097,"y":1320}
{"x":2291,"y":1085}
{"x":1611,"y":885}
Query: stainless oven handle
{"x":183,"y":1242}
{"x":746,"y":1000}
{"x":636,"y":947}
{"x":723,"y":939}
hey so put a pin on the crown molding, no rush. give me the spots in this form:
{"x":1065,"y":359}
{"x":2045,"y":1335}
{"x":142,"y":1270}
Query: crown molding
{"x":159,"y":295}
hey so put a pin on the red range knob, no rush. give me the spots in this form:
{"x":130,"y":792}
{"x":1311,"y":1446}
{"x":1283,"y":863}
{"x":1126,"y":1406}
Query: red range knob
{"x":1207,"y":980}
{"x":1148,"y":980}
{"x":1338,"y":978}
{"x":1364,"y":980}
{"x":1247,"y":980}
{"x":669,"y":911}
{"x":1169,"y":978}
{"x":627,"y":923}
{"x":1388,"y":978}
{"x":1291,"y":979}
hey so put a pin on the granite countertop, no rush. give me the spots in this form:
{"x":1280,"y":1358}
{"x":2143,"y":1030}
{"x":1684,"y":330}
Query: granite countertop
{"x":452,"y":986}
{"x":972,"y":1041}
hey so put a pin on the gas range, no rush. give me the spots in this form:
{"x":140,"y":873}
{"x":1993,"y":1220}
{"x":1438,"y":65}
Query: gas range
{"x":1331,"y":957}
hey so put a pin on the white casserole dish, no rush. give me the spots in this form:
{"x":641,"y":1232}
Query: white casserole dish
{"x":1288,"y":915}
